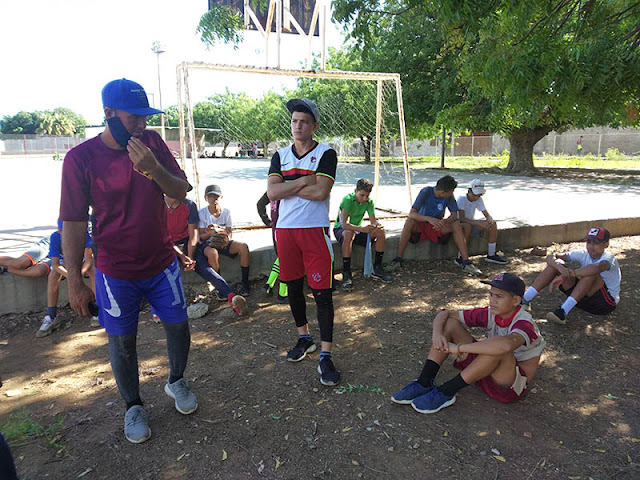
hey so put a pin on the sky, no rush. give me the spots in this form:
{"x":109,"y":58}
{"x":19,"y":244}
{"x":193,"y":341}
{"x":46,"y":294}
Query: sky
{"x":60,"y":53}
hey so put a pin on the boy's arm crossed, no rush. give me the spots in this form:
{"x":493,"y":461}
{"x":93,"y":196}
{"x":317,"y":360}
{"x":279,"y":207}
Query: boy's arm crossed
{"x":498,"y":345}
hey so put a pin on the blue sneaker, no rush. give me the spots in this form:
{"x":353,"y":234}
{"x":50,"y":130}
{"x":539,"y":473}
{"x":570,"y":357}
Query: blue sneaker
{"x":432,"y":402}
{"x":411,"y":391}
{"x":136,"y":425}
{"x":185,"y":399}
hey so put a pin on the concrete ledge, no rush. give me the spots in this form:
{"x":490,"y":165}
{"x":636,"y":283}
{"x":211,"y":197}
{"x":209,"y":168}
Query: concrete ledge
{"x":20,"y":294}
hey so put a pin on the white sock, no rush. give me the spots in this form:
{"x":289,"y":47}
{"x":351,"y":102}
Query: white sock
{"x":568,"y":304}
{"x":530,"y":294}
{"x":492,"y":249}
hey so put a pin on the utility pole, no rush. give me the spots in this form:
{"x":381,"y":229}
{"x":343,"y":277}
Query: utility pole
{"x":156,"y":47}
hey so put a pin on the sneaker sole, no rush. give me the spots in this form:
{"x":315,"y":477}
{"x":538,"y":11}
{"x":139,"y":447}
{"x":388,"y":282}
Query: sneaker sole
{"x":140,"y":440}
{"x":323,"y":382}
{"x":168,"y":391}
{"x":45,"y":333}
{"x":401,"y":402}
{"x":503,"y":262}
{"x":444,"y":405}
{"x":375,"y":277}
{"x":239,"y":302}
{"x":311,"y":349}
{"x":552,"y":317}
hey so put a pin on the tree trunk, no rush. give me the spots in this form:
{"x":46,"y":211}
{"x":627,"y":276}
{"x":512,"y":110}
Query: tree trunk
{"x":224,"y":147}
{"x":366,"y":145}
{"x":521,"y":154}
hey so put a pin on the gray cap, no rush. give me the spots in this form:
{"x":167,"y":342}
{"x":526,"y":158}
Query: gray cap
{"x":212,"y":190}
{"x":306,"y":105}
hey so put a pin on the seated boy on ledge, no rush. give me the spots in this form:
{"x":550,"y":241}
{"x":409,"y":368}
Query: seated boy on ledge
{"x":593,"y":287}
{"x":502,"y":365}
{"x":348,"y":230}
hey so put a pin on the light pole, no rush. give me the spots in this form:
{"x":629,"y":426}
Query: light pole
{"x":156,"y":47}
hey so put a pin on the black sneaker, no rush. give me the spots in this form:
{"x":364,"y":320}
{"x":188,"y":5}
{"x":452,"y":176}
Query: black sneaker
{"x":378,"y":274}
{"x":268,"y":289}
{"x":347,"y":282}
{"x":245,"y":290}
{"x":395,"y":264}
{"x":4,"y":269}
{"x":496,"y":259}
{"x":329,"y":375}
{"x":557,"y":316}
{"x":282,"y":299}
{"x":458,"y":261}
{"x":301,"y":349}
{"x":525,"y":305}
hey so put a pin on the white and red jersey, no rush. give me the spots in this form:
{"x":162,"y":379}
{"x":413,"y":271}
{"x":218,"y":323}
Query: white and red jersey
{"x":294,"y":211}
{"x":520,"y":322}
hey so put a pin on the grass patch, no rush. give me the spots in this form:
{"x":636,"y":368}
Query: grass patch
{"x":613,"y":160}
{"x":20,"y":430}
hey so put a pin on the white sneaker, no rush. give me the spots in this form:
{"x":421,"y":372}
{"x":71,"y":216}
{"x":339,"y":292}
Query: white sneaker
{"x":94,"y":322}
{"x":48,"y":326}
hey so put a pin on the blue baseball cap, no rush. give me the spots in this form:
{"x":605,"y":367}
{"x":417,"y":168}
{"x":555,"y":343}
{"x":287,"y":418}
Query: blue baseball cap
{"x":128,"y":96}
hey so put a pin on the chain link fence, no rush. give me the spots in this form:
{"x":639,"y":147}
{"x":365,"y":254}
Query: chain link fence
{"x":34,"y":144}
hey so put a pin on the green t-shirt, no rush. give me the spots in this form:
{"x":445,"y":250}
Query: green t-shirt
{"x":356,"y":210}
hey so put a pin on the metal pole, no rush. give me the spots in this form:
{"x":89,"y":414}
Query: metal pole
{"x":376,"y":181}
{"x":157,"y":49}
{"x":444,"y":142}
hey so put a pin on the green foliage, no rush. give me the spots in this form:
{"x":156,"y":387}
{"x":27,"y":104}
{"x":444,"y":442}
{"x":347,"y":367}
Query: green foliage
{"x":220,"y":24}
{"x":60,"y":121}
{"x":518,"y":68}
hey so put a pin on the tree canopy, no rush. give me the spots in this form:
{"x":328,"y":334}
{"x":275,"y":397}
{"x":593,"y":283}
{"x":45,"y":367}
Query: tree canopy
{"x":519,"y":68}
{"x":60,"y":121}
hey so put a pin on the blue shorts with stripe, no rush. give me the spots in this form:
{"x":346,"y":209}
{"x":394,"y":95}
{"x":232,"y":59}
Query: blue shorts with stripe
{"x":119,"y":300}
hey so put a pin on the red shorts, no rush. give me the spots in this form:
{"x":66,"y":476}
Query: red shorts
{"x":425,"y":231}
{"x":491,"y":388}
{"x":305,"y":250}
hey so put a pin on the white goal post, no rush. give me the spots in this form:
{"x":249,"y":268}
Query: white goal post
{"x":384,"y":114}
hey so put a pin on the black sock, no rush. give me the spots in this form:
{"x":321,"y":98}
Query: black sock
{"x":132,"y":403}
{"x":454,"y":385}
{"x":245,"y":275}
{"x":346,"y":264}
{"x":378,"y":259}
{"x":429,"y":372}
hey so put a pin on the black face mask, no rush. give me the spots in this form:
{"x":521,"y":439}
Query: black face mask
{"x":119,"y":132}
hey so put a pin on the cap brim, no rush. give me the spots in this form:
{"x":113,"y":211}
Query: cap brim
{"x":296,"y":102}
{"x":142,"y":111}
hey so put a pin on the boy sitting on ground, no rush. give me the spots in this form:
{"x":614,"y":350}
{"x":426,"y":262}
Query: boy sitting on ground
{"x":467,"y":206}
{"x":426,"y":221}
{"x":215,"y":232}
{"x":593,"y":287}
{"x":501,"y":365}
{"x":348,"y":230}
{"x":58,"y":271}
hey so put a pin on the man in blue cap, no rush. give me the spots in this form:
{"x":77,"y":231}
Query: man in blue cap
{"x":123,"y":175}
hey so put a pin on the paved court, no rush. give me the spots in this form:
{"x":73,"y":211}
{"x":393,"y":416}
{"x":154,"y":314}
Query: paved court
{"x":30,"y":196}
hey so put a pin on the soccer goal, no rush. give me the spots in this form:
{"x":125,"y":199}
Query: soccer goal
{"x":361,"y":117}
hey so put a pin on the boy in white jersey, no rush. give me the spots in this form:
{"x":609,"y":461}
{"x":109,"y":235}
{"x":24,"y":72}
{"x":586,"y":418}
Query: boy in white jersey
{"x":301,"y":177}
{"x":467,"y":206}
{"x":593,"y":287}
{"x":216,"y":220}
{"x":502,"y":365}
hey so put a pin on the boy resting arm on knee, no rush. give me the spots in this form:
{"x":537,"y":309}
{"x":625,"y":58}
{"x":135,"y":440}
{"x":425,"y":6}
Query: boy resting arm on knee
{"x":501,"y":365}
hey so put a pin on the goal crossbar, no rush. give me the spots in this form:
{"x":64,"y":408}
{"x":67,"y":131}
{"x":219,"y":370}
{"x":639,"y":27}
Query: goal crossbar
{"x":187,"y":128}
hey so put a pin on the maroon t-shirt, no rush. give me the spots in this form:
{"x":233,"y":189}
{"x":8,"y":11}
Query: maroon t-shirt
{"x":131,"y":224}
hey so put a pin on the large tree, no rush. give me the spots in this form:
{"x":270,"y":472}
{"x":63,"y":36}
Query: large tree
{"x":60,"y":121}
{"x":519,"y":68}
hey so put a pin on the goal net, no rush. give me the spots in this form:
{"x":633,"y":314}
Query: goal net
{"x":244,"y":117}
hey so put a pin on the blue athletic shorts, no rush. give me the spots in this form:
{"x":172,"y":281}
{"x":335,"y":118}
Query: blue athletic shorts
{"x":119,"y":300}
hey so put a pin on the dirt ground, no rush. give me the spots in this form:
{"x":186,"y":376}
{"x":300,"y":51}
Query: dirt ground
{"x":262,"y":417}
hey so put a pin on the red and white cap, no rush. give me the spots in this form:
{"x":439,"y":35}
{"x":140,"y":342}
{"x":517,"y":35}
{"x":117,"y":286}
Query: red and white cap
{"x":477,"y":186}
{"x":598,"y":234}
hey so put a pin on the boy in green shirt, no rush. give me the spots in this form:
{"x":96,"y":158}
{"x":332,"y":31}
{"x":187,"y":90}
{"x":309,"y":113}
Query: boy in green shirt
{"x":348,"y":230}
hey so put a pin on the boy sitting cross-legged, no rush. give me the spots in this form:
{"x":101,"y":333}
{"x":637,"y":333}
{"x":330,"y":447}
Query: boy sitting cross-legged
{"x":348,"y":230}
{"x":501,"y":365}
